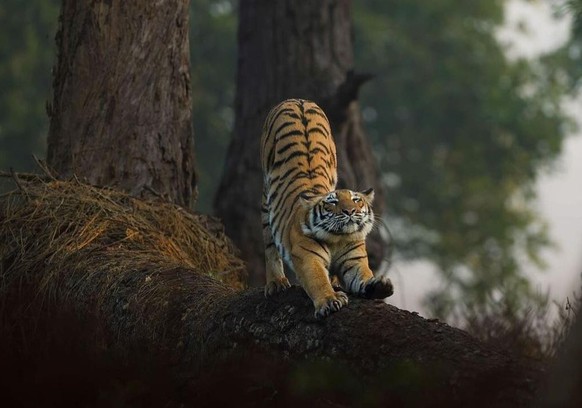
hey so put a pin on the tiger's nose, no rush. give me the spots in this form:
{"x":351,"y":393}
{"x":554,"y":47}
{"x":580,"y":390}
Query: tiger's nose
{"x":349,"y":212}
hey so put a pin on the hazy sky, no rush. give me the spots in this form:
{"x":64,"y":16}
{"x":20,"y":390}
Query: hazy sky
{"x":530,"y":29}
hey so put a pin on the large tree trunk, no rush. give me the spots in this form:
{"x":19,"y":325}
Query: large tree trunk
{"x":121,"y":110}
{"x":300,"y":49}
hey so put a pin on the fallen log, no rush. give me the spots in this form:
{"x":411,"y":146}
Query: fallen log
{"x":106,"y":299}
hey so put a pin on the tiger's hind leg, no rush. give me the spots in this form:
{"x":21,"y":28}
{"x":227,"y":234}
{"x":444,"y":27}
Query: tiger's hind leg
{"x":275,"y":274}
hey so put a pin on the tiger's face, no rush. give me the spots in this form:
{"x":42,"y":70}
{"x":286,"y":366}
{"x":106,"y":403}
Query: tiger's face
{"x":339,"y":213}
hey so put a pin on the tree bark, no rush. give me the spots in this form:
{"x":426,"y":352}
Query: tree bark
{"x":299,"y":49}
{"x":121,"y":108}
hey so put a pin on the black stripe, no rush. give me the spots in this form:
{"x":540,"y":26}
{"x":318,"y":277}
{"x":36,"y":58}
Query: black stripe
{"x":315,"y":253}
{"x":316,"y":150}
{"x":287,"y":185}
{"x":300,"y":106}
{"x":355,"y":258}
{"x":318,"y":188}
{"x":317,"y":209}
{"x":273,"y":119}
{"x":286,"y":147}
{"x":283,"y":194}
{"x":316,"y":130}
{"x":293,"y":155}
{"x":277,"y":207}
{"x":322,"y":246}
{"x":272,"y":197}
{"x":316,"y":111}
{"x":320,"y":166}
{"x":296,"y":177}
{"x":295,"y":132}
{"x":275,"y":114}
{"x":325,"y":173}
{"x":297,"y":197}
{"x":284,"y":175}
{"x":323,"y":146}
{"x":321,"y":174}
{"x":278,"y":217}
{"x":271,"y":156}
{"x":283,"y":125}
{"x":312,"y":222}
{"x":328,"y":163}
{"x":324,"y":128}
{"x":358,"y":244}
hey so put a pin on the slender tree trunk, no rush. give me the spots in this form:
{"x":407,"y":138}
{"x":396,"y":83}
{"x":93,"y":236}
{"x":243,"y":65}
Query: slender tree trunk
{"x":121,"y":109}
{"x":301,"y":49}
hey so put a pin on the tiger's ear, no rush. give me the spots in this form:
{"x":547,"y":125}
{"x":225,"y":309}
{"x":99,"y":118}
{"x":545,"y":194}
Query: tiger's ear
{"x":369,"y":194}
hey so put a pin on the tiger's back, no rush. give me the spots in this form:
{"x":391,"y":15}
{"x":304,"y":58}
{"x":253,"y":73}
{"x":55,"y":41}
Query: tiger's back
{"x":298,"y":155}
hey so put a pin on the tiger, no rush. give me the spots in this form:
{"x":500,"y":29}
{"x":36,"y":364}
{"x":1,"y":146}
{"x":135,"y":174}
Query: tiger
{"x":317,"y":230}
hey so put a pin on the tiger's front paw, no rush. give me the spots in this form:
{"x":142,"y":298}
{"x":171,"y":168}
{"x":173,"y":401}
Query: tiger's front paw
{"x":276,"y":285}
{"x":331,"y":303}
{"x":379,"y":287}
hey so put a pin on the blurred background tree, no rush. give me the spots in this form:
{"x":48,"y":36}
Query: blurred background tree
{"x":565,"y":64}
{"x":213,"y":25}
{"x":460,"y":131}
{"x":461,"y":134}
{"x":27,"y":53}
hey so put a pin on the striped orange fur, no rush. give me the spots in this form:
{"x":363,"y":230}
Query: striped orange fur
{"x":317,"y":230}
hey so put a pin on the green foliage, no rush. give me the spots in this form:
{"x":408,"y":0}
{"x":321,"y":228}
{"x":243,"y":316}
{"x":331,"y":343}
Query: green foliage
{"x":564,"y":66}
{"x":27,"y":52}
{"x":461,"y":135}
{"x":213,"y":54}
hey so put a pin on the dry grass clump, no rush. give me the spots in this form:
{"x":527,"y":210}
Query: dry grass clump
{"x":91,"y":277}
{"x":66,"y":241}
{"x":57,"y":221}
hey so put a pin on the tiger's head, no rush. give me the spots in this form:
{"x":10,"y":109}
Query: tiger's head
{"x":338,"y":215}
